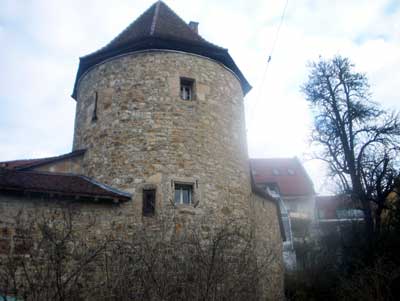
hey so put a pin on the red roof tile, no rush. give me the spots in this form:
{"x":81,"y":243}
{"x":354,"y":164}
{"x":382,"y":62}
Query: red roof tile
{"x":288,"y":173}
{"x":328,"y":204}
{"x":53,"y":183}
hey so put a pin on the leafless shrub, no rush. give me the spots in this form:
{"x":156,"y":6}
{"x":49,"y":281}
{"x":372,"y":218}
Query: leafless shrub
{"x":371,"y":283}
{"x":51,"y":260}
{"x":198,"y":262}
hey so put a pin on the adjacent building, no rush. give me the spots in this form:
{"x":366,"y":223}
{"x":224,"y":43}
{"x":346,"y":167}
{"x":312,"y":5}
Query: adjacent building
{"x":287,"y":181}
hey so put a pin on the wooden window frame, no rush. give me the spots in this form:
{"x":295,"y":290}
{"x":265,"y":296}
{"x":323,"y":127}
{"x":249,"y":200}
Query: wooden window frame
{"x":183,"y":187}
{"x":187,"y":84}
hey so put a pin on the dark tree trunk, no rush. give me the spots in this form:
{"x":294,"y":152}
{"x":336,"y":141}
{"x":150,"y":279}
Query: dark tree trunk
{"x":378,"y":220}
{"x":369,"y":222}
{"x":359,"y":196}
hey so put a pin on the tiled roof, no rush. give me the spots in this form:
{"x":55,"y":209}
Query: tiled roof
{"x":158,"y":21}
{"x":328,"y":204}
{"x":159,"y":28}
{"x":288,"y":173}
{"x":58,"y":184}
{"x":29,"y":163}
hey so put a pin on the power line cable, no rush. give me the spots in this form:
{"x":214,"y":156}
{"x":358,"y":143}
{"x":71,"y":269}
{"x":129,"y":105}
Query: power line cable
{"x":275,"y":41}
{"x":260,"y":89}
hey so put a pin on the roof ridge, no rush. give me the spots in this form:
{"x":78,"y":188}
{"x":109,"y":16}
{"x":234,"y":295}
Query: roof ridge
{"x":41,"y":172}
{"x":21,"y":160}
{"x":155,"y":16}
{"x":27,"y":163}
{"x":196,"y":33}
{"x":121,"y":33}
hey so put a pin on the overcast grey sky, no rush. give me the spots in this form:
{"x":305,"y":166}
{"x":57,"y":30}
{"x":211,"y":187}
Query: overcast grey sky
{"x":43,"y":39}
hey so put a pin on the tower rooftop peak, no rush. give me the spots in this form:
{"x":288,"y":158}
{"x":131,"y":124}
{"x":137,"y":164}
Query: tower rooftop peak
{"x":157,"y":21}
{"x":159,"y":28}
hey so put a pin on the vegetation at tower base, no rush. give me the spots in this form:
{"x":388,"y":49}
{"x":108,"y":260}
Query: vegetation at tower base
{"x":55,"y":258}
{"x":345,"y":266}
{"x":358,"y":140}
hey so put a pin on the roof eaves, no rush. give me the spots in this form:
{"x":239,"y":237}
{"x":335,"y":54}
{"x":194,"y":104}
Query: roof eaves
{"x":114,"y":193}
{"x":106,"y":187}
{"x":218,"y":54}
{"x":51,"y":192}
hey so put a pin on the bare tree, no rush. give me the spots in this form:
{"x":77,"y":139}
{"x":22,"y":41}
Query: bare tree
{"x":358,"y":140}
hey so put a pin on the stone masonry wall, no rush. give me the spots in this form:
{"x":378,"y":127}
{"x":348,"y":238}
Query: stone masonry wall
{"x":145,"y":134}
{"x":109,"y":220}
{"x":269,"y":245}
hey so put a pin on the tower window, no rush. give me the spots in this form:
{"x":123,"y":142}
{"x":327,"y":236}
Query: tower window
{"x":149,"y":202}
{"x":187,"y":88}
{"x":183,"y":194}
{"x":94,"y":116}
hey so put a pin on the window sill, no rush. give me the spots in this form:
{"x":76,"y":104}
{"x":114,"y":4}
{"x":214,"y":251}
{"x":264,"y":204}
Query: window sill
{"x":186,"y":209}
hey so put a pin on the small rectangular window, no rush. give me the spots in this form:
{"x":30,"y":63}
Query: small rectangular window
{"x":187,"y":88}
{"x":149,"y":202}
{"x":183,"y":194}
{"x":94,"y":116}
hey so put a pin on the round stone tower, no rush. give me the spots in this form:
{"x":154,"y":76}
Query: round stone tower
{"x":160,"y":113}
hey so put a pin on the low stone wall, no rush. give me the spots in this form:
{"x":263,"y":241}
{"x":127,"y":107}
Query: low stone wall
{"x":269,"y":245}
{"x":98,"y":221}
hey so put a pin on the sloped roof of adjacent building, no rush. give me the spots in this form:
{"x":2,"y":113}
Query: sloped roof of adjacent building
{"x":159,"y":28}
{"x":27,"y":164}
{"x":58,"y":184}
{"x":288,"y":173}
{"x":327,"y":205}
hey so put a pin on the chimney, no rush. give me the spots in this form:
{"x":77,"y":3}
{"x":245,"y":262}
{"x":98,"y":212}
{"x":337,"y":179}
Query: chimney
{"x":194,"y":26}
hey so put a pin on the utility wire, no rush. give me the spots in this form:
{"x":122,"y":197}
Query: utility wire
{"x":260,"y":89}
{"x":273,"y":47}
{"x":278,"y":31}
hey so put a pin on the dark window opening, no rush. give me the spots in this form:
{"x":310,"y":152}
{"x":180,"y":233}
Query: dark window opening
{"x":149,"y":202}
{"x":183,"y":194}
{"x":94,"y":117}
{"x":187,"y":88}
